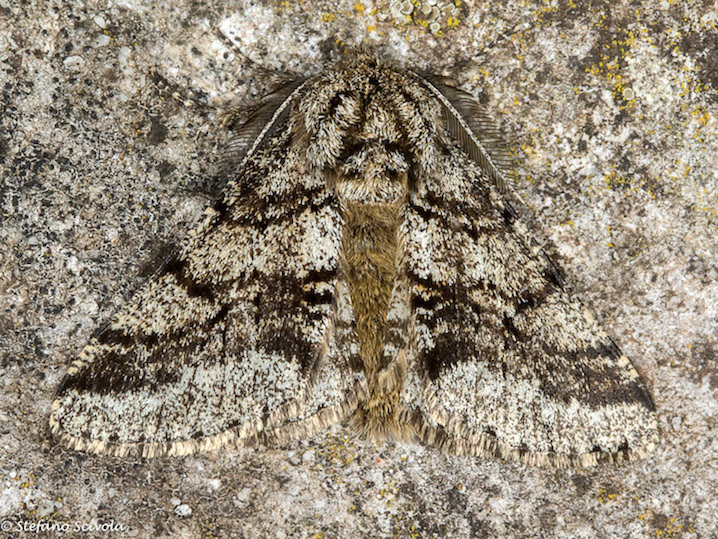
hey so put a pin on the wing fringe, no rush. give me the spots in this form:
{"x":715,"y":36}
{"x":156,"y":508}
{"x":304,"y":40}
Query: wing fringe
{"x":466,"y":442}
{"x":276,"y":428}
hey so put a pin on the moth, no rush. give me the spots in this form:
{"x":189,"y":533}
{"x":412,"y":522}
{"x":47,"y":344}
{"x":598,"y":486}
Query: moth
{"x":364,"y":266}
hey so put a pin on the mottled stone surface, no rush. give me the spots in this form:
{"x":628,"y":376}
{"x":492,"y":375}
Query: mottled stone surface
{"x":109,"y":130}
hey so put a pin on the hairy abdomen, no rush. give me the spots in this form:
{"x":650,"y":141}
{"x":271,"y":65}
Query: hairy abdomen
{"x":370,"y":247}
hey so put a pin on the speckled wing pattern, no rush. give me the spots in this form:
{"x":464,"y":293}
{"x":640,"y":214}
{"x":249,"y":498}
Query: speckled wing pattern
{"x":507,"y":363}
{"x":232,"y":338}
{"x":365,"y":266}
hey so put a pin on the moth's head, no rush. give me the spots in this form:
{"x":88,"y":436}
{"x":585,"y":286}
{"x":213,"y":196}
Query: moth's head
{"x":366,"y":104}
{"x":368,"y":119}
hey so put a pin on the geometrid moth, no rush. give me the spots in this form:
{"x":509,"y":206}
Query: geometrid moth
{"x":364,"y":267}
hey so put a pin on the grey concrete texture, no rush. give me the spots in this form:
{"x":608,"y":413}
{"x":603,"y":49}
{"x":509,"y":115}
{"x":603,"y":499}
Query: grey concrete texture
{"x":110,"y":134}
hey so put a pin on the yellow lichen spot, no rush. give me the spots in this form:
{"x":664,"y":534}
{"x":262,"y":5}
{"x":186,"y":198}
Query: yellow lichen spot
{"x":452,"y":22}
{"x":371,"y":28}
{"x":701,"y":115}
{"x":359,"y":7}
{"x":328,"y":17}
